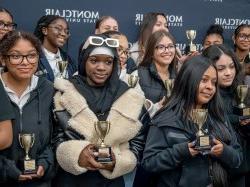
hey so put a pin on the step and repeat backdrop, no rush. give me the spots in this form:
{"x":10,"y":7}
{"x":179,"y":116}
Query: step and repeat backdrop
{"x":181,"y":14}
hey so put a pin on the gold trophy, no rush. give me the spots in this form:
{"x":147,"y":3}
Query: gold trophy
{"x":169,"y":84}
{"x":28,"y":165}
{"x":132,"y":80}
{"x":62,"y":65}
{"x":242,"y":109}
{"x":191,"y":34}
{"x":104,"y":151}
{"x":203,"y":141}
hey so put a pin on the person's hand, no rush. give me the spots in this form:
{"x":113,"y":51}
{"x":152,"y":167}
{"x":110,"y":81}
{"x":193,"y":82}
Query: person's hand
{"x":110,"y":166}
{"x":24,"y":177}
{"x":245,"y":122}
{"x":161,"y":103}
{"x":87,"y":158}
{"x":217,"y":149}
{"x":192,"y":151}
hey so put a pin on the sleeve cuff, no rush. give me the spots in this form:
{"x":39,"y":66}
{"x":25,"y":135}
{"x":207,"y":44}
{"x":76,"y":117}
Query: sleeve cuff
{"x":125,"y":163}
{"x":68,"y":153}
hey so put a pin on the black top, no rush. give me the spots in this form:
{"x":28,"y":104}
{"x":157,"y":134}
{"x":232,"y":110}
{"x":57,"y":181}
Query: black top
{"x":6,"y":111}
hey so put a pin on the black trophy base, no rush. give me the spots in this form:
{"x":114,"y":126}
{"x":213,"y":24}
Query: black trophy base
{"x":190,"y":49}
{"x":104,"y":155}
{"x":244,"y":112}
{"x":28,"y":166}
{"x":203,"y":143}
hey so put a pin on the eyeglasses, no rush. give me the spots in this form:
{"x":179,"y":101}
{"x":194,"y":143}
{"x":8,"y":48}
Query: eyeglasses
{"x":9,"y":26}
{"x":243,"y":37}
{"x":98,"y":41}
{"x":59,"y":30}
{"x":18,"y":59}
{"x":163,"y":48}
{"x":121,"y":51}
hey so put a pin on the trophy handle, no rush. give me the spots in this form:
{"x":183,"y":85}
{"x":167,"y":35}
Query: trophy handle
{"x":33,"y":139}
{"x":20,"y":142}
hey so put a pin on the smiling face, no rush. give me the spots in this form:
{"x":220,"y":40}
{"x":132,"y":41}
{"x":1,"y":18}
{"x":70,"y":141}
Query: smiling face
{"x":207,"y":87}
{"x":99,"y":69}
{"x":6,"y":19}
{"x":56,"y":33}
{"x":164,"y":52}
{"x":242,"y":40}
{"x":226,"y":70}
{"x":27,"y":66}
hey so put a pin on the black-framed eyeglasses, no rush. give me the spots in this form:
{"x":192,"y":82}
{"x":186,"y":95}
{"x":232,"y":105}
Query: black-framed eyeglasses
{"x":59,"y":30}
{"x":9,"y":26}
{"x":17,"y":59}
{"x":162,"y":48}
{"x":244,"y":36}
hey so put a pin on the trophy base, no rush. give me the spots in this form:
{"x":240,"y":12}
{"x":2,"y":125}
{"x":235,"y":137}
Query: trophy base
{"x":104,"y":155}
{"x":203,"y":143}
{"x":242,"y":111}
{"x":28,"y":166}
{"x":190,"y":49}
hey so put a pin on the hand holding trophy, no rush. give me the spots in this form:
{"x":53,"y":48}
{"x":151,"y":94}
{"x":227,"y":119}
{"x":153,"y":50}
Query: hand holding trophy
{"x":104,"y":151}
{"x":191,"y":35}
{"x":62,"y":65}
{"x":28,"y":165}
{"x":203,"y":140}
{"x":132,"y":80}
{"x":242,"y":110}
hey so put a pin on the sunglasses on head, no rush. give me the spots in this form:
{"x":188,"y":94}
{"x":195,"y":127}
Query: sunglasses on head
{"x":98,"y":41}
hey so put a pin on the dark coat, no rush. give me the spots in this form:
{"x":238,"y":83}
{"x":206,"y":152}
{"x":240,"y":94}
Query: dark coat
{"x":167,"y":155}
{"x":44,"y":68}
{"x":243,"y":135}
{"x":35,"y":117}
{"x":151,"y":84}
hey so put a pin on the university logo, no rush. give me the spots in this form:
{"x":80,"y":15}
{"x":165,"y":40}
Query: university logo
{"x":78,"y":16}
{"x":230,"y":23}
{"x":173,"y":20}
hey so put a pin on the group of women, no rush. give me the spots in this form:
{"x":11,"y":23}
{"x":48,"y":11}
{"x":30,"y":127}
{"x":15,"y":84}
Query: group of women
{"x":151,"y":130}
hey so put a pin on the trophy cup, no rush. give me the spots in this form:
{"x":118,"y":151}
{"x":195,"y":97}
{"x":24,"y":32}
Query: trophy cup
{"x":104,"y":151}
{"x":191,"y":34}
{"x":241,"y":109}
{"x":28,"y":165}
{"x":132,"y":80}
{"x":169,"y":84}
{"x":203,"y":140}
{"x":62,"y":66}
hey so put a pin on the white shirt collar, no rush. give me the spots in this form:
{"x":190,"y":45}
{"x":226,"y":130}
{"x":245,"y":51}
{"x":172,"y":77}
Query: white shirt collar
{"x":51,"y":56}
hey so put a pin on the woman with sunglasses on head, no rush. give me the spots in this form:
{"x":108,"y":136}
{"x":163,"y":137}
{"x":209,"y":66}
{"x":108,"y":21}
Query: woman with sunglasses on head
{"x":53,"y":32}
{"x":229,"y":77}
{"x":6,"y":22}
{"x":170,"y":150}
{"x":31,"y":98}
{"x":97,"y":94}
{"x":241,"y":39}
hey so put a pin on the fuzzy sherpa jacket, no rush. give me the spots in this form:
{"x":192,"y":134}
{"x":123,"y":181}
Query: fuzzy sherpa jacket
{"x":124,"y":127}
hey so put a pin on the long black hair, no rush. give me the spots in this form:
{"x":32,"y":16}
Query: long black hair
{"x":183,"y":100}
{"x":216,"y":51}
